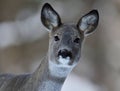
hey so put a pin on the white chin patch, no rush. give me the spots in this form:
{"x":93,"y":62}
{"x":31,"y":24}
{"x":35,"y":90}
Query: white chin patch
{"x":64,"y":61}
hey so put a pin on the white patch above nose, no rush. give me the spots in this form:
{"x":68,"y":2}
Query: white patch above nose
{"x":64,"y":61}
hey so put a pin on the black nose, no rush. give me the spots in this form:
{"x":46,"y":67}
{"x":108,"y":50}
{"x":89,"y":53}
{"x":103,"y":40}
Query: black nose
{"x":65,"y":53}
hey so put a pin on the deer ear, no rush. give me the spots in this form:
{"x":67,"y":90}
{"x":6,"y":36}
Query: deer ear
{"x":49,"y":17}
{"x":88,"y":23}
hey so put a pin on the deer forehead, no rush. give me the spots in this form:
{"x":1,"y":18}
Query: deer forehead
{"x":67,"y":30}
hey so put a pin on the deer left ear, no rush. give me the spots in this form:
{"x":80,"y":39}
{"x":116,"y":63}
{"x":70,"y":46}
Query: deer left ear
{"x":88,"y":23}
{"x":49,"y":17}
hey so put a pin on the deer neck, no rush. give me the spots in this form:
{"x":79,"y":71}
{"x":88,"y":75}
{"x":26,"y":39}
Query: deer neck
{"x":49,"y":76}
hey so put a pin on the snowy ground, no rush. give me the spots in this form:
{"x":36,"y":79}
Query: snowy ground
{"x":76,"y":83}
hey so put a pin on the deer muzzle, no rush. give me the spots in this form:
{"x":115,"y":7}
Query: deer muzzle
{"x":65,"y":53}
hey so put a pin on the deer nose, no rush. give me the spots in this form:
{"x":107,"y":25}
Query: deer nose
{"x":65,"y":53}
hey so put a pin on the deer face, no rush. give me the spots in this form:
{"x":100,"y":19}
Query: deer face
{"x":65,"y":39}
{"x":65,"y":45}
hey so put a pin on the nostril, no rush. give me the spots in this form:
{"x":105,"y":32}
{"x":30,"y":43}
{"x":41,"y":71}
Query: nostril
{"x":65,"y":53}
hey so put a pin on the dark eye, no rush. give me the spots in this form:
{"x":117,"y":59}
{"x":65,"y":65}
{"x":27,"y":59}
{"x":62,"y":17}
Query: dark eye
{"x":77,"y":40}
{"x":56,"y":38}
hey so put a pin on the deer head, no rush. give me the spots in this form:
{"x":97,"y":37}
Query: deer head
{"x":66,"y":39}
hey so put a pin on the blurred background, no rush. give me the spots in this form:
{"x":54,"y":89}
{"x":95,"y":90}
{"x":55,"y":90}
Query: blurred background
{"x":24,"y":41}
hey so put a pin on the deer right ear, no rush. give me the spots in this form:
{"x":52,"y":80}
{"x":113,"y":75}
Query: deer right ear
{"x":49,"y":17}
{"x":88,"y":23}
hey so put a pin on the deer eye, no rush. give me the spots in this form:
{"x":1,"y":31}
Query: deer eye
{"x":77,"y":40}
{"x":56,"y":38}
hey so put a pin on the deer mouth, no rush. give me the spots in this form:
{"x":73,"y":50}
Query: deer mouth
{"x":64,"y":56}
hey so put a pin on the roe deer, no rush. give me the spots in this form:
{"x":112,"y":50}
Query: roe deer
{"x":63,"y":53}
